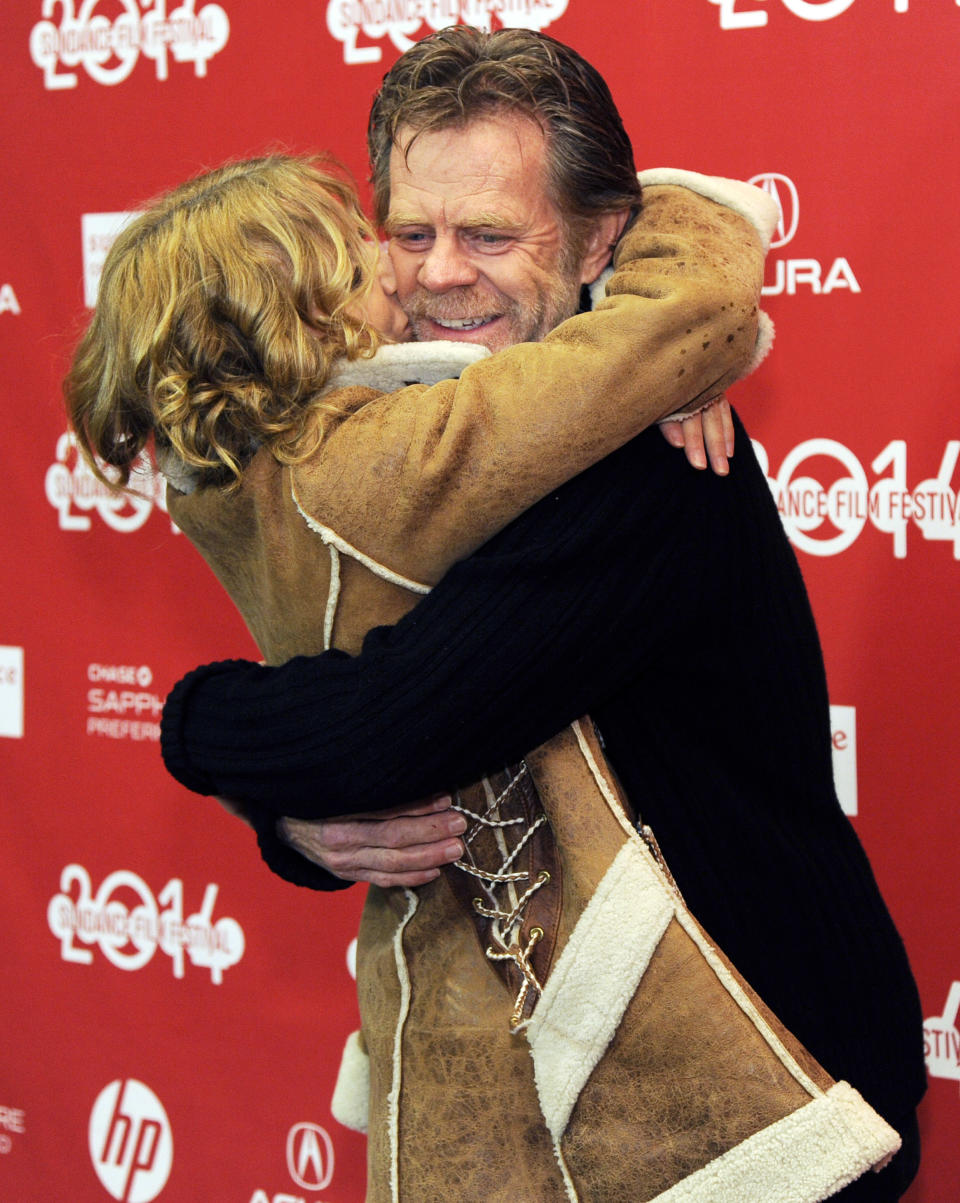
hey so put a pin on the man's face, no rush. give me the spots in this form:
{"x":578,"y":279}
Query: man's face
{"x":475,"y":241}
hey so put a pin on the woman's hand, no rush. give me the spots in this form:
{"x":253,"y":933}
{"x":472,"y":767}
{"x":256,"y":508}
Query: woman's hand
{"x":704,"y":436}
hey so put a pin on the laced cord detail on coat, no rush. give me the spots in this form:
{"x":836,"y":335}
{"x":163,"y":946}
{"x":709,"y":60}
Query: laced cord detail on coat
{"x":505,"y":900}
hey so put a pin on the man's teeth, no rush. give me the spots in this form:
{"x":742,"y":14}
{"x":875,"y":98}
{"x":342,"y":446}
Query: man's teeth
{"x":467,"y":323}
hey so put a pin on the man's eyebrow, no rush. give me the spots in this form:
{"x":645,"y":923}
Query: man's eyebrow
{"x":487,"y":221}
{"x":471,"y":222}
{"x":401,"y":221}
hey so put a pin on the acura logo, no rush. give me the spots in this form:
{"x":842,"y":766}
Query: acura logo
{"x":310,"y":1156}
{"x":784,"y":192}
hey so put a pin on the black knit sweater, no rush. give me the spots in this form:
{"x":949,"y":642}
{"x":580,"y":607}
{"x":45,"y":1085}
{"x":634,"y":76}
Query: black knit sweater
{"x":669,"y":605}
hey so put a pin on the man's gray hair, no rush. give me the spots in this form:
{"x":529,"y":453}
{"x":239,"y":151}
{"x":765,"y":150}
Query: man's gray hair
{"x":461,"y":74}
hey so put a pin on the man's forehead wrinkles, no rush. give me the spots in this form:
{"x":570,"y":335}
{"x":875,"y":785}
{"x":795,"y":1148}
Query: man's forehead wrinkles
{"x":496,"y":163}
{"x":467,"y":208}
{"x":456,"y":180}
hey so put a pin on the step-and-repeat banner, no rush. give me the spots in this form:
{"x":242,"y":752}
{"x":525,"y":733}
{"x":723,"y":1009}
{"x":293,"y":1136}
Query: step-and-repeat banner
{"x":172,"y":1015}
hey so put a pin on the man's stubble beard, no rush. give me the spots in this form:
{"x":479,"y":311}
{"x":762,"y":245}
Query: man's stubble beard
{"x":555,"y":302}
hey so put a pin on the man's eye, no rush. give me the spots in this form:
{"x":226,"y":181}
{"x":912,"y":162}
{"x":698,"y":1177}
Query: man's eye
{"x":412,"y":240}
{"x":487,"y":241}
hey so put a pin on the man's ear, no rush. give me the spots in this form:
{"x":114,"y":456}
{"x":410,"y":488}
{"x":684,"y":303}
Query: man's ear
{"x":598,"y":250}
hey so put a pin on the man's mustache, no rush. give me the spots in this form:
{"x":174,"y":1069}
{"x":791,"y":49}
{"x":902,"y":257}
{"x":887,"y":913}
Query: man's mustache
{"x":457,"y":305}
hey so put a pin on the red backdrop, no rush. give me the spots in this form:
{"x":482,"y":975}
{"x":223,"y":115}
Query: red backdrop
{"x":173,"y":1015}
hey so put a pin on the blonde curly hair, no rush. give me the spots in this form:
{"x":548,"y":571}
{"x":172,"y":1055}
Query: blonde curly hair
{"x":220,"y":312}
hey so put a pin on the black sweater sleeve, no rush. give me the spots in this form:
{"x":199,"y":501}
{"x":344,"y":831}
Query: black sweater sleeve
{"x":535,"y":629}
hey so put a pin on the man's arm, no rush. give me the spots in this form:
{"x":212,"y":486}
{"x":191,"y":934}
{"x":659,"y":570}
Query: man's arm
{"x":527,"y":634}
{"x":408,"y":845}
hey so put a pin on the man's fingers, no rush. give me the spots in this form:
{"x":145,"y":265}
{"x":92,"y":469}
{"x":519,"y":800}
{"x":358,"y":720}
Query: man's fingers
{"x":408,"y":848}
{"x":408,"y":866}
{"x":362,"y":864}
{"x":404,"y":831}
{"x":404,"y":851}
{"x":378,"y":866}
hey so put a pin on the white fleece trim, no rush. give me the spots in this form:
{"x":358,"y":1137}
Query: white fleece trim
{"x":682,"y":414}
{"x":333,"y":594}
{"x":180,"y":476}
{"x":805,"y":1157}
{"x":598,"y":289}
{"x":766,"y":332}
{"x":602,"y":784}
{"x":594,"y":979}
{"x":568,"y":1183}
{"x":757,"y":206}
{"x":350,"y":1104}
{"x":393,"y":1098}
{"x":332,"y":539}
{"x":395,"y":365}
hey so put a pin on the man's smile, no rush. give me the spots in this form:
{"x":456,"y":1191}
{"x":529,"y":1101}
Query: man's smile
{"x":466,"y":323}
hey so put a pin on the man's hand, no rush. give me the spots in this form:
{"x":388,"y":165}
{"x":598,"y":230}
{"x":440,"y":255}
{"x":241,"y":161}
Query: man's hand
{"x":403,"y":846}
{"x":708,"y":433}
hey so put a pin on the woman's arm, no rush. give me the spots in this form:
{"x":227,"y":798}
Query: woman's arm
{"x":544,"y":623}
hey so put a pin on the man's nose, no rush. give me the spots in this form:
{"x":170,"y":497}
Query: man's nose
{"x":446,"y":266}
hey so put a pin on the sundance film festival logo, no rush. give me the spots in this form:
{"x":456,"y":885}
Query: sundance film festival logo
{"x":792,"y":275}
{"x":748,"y":14}
{"x":130,"y":1141}
{"x":107,"y":37}
{"x":76,"y":494}
{"x":124,"y":920}
{"x":404,"y":22}
{"x":941,"y":1039}
{"x":826,"y":499}
{"x":309,"y":1163}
